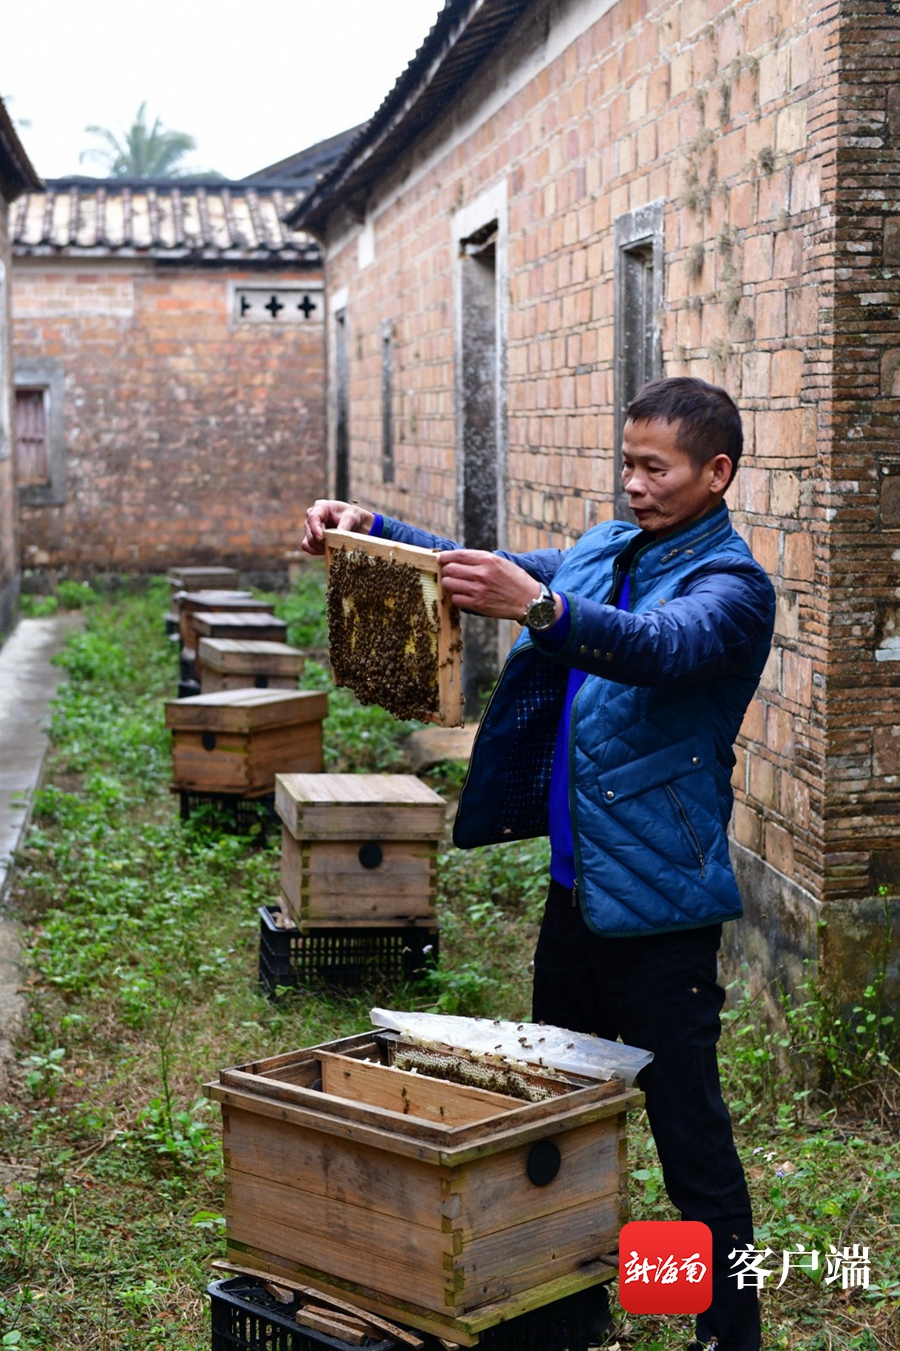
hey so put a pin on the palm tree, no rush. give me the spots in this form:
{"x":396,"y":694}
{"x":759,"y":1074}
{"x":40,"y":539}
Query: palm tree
{"x":142,"y":151}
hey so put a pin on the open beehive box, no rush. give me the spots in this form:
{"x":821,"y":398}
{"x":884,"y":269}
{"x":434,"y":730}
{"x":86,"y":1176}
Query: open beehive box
{"x":236,"y":741}
{"x":235,"y":663}
{"x":434,"y":1186}
{"x":359,"y":850}
{"x":394,"y":636}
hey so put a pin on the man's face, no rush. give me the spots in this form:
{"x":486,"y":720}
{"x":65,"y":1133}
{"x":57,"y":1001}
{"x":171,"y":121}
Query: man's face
{"x":665,"y":488}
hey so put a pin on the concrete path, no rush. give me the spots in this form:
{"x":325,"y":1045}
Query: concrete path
{"x":28,"y":683}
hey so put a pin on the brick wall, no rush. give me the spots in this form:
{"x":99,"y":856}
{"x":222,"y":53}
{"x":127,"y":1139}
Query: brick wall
{"x":863,"y":748}
{"x":189,"y":438}
{"x":770,"y":130}
{"x":9,"y":560}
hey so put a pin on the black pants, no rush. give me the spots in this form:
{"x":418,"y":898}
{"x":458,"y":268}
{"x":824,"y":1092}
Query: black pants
{"x":660,"y":992}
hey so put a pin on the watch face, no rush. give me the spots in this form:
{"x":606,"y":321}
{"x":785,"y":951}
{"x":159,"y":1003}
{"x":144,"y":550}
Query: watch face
{"x":541,"y":613}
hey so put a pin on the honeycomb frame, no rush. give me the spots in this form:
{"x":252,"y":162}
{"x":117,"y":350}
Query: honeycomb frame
{"x":391,"y":650}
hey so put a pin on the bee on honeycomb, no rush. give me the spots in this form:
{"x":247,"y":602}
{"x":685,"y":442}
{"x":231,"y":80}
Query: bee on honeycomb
{"x":459,"y":1070}
{"x":383,"y":621}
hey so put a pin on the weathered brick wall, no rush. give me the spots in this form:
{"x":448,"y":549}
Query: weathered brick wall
{"x":189,"y":438}
{"x":863,"y":745}
{"x":728,"y":113}
{"x":9,"y":560}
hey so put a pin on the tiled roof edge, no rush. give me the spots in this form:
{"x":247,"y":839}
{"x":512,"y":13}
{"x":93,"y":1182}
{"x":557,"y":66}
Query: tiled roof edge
{"x":186,"y":184}
{"x":51,"y":223}
{"x":463,"y":34}
{"x":17,"y":174}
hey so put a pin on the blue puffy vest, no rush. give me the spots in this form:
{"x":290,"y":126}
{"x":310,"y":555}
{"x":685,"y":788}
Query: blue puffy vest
{"x":650,"y":747}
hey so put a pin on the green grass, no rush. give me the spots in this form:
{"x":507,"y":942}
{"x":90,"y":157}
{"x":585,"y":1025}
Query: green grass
{"x":141,"y":941}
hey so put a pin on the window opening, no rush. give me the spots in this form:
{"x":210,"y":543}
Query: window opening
{"x":32,"y":442}
{"x":639,"y":253}
{"x":341,"y":408}
{"x":480,"y":485}
{"x":387,"y":401}
{"x":281,"y":305}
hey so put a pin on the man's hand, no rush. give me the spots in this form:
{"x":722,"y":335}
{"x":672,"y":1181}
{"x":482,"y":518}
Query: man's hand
{"x":327,"y":515}
{"x":488,"y":585}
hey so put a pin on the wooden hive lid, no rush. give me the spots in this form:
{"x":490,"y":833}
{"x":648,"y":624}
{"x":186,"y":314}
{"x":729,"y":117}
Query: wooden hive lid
{"x":218,"y":623}
{"x":359,"y":807}
{"x":225,"y":600}
{"x":186,"y":578}
{"x":250,"y":655}
{"x":246,"y":710}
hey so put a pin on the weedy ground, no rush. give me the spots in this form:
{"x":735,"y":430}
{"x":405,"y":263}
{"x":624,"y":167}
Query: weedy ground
{"x":141,"y":939}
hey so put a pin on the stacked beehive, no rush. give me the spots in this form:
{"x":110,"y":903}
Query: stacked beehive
{"x":358,"y":878}
{"x":236,"y":605}
{"x":244,"y":718}
{"x":234,"y":663}
{"x":235,"y":741}
{"x":195,"y":579}
{"x":451,"y":1207}
{"x":359,"y":851}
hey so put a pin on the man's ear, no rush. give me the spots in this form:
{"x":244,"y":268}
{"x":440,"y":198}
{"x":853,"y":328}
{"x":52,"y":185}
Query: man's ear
{"x":720,"y":473}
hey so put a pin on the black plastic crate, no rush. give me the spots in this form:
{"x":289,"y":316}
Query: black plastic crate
{"x":245,"y":1317}
{"x":340,"y":956}
{"x":260,"y":1323}
{"x":231,"y":813}
{"x":562,"y":1326}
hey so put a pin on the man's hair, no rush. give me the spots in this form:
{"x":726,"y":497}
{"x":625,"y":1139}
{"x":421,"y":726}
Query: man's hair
{"x":709,"y":422}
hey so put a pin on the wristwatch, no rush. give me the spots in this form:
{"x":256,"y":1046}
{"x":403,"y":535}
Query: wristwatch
{"x":540,"y":613}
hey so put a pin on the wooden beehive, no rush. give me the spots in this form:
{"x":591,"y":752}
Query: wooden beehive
{"x":394,"y":636}
{"x":448,"y":1207}
{"x":240,"y":624}
{"x":235,"y":663}
{"x":191,"y":603}
{"x":358,"y":850}
{"x":236,"y":741}
{"x":202,"y":579}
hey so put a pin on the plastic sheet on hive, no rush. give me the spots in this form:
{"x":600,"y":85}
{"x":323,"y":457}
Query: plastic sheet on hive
{"x":394,"y":637}
{"x":530,"y":1044}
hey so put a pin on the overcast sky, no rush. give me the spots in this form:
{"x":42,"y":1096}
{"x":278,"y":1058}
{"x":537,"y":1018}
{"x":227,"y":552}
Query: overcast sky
{"x":252,"y":82}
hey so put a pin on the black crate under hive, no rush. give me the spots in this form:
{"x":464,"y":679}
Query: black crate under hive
{"x":246,"y":1318}
{"x":394,"y":636}
{"x":288,"y":958}
{"x":231,"y":813}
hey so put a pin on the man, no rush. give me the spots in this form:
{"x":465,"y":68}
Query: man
{"x":612,"y":728}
